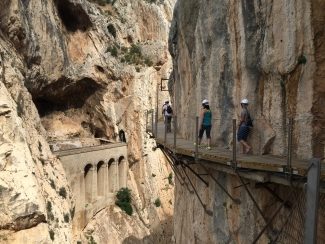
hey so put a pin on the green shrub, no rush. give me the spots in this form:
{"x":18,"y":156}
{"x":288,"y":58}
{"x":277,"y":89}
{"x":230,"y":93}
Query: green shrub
{"x":52,"y":184}
{"x":51,"y":232}
{"x":49,"y":206}
{"x":124,"y":49}
{"x":114,"y":52}
{"x":72,"y":211}
{"x":157,"y":202}
{"x":39,"y":146}
{"x":27,"y":83}
{"x":20,"y":110}
{"x":63,"y":192}
{"x":50,"y":216}
{"x":170,"y":178}
{"x":66,"y":218}
{"x":137,"y":69}
{"x":126,"y":206}
{"x":135,"y":50}
{"x":91,"y":240}
{"x":148,"y":62}
{"x":111,"y":29}
{"x":153,"y":175}
{"x":124,"y":195}
{"x":102,"y":2}
{"x":302,"y":59}
{"x":124,"y":199}
{"x":45,"y":81}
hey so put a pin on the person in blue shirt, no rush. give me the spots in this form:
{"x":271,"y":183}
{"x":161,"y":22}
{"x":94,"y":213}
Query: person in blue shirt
{"x":205,"y":123}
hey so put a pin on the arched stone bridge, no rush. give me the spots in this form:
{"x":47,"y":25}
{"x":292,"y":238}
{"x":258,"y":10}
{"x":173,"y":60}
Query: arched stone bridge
{"x":95,"y":175}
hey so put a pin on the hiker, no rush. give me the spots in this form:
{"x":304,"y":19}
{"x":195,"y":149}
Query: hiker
{"x":167,"y":111}
{"x":244,"y":126}
{"x":205,"y":123}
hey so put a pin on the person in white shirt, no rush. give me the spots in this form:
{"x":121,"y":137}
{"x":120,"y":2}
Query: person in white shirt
{"x":167,"y":111}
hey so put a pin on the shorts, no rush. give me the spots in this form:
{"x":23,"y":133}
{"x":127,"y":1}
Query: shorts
{"x":243,"y":133}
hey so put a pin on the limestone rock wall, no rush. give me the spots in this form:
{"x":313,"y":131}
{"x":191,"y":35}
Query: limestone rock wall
{"x":35,"y":197}
{"x":225,"y":51}
{"x":66,"y":79}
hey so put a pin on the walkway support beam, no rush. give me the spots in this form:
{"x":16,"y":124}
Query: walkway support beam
{"x":312,"y":196}
{"x":196,"y":138}
{"x":234,"y":144}
{"x":289,"y":150}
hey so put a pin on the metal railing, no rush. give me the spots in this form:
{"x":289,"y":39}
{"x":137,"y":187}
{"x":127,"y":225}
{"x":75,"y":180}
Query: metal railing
{"x":295,"y":139}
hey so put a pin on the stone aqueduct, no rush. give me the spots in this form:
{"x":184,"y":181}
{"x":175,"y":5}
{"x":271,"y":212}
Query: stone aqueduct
{"x":95,"y":175}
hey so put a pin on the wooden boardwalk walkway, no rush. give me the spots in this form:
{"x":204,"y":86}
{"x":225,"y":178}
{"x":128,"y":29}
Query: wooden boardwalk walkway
{"x":223,"y":156}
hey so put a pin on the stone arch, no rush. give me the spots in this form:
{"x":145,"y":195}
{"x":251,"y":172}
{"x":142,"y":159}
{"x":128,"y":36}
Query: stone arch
{"x":88,"y":176}
{"x":122,"y":171}
{"x":100,"y":178}
{"x":111,"y":171}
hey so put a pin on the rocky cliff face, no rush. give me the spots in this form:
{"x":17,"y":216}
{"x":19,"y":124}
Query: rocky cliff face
{"x":269,"y":52}
{"x":72,"y":71}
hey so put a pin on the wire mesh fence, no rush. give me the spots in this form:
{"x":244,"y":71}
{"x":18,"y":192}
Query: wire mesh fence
{"x":292,"y":228}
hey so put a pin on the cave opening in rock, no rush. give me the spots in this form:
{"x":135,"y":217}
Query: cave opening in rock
{"x":64,"y":94}
{"x":73,"y":16}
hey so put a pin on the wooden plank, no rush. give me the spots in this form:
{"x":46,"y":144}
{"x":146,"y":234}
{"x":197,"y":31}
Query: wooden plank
{"x":220,"y":155}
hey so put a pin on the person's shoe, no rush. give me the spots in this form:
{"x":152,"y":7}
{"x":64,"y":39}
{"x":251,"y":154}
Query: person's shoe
{"x":197,"y":145}
{"x":248,"y":150}
{"x":208,"y":148}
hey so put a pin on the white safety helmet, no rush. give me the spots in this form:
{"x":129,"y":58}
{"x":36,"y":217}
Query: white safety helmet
{"x":166,"y":101}
{"x":244,"y":101}
{"x":205,"y":101}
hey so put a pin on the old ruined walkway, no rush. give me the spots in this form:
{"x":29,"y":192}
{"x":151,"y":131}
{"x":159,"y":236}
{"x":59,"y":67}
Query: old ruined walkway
{"x":95,"y":174}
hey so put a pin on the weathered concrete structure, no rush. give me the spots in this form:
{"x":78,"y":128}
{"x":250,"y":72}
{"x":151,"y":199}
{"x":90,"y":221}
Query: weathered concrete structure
{"x":95,"y":175}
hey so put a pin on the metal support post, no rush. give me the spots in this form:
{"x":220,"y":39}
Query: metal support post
{"x":289,"y":151}
{"x":165,"y":133}
{"x":312,"y":196}
{"x":175,"y":124}
{"x":196,"y":138}
{"x":234,"y":144}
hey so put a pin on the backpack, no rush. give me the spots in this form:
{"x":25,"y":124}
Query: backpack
{"x":169,"y":109}
{"x":248,"y":120}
